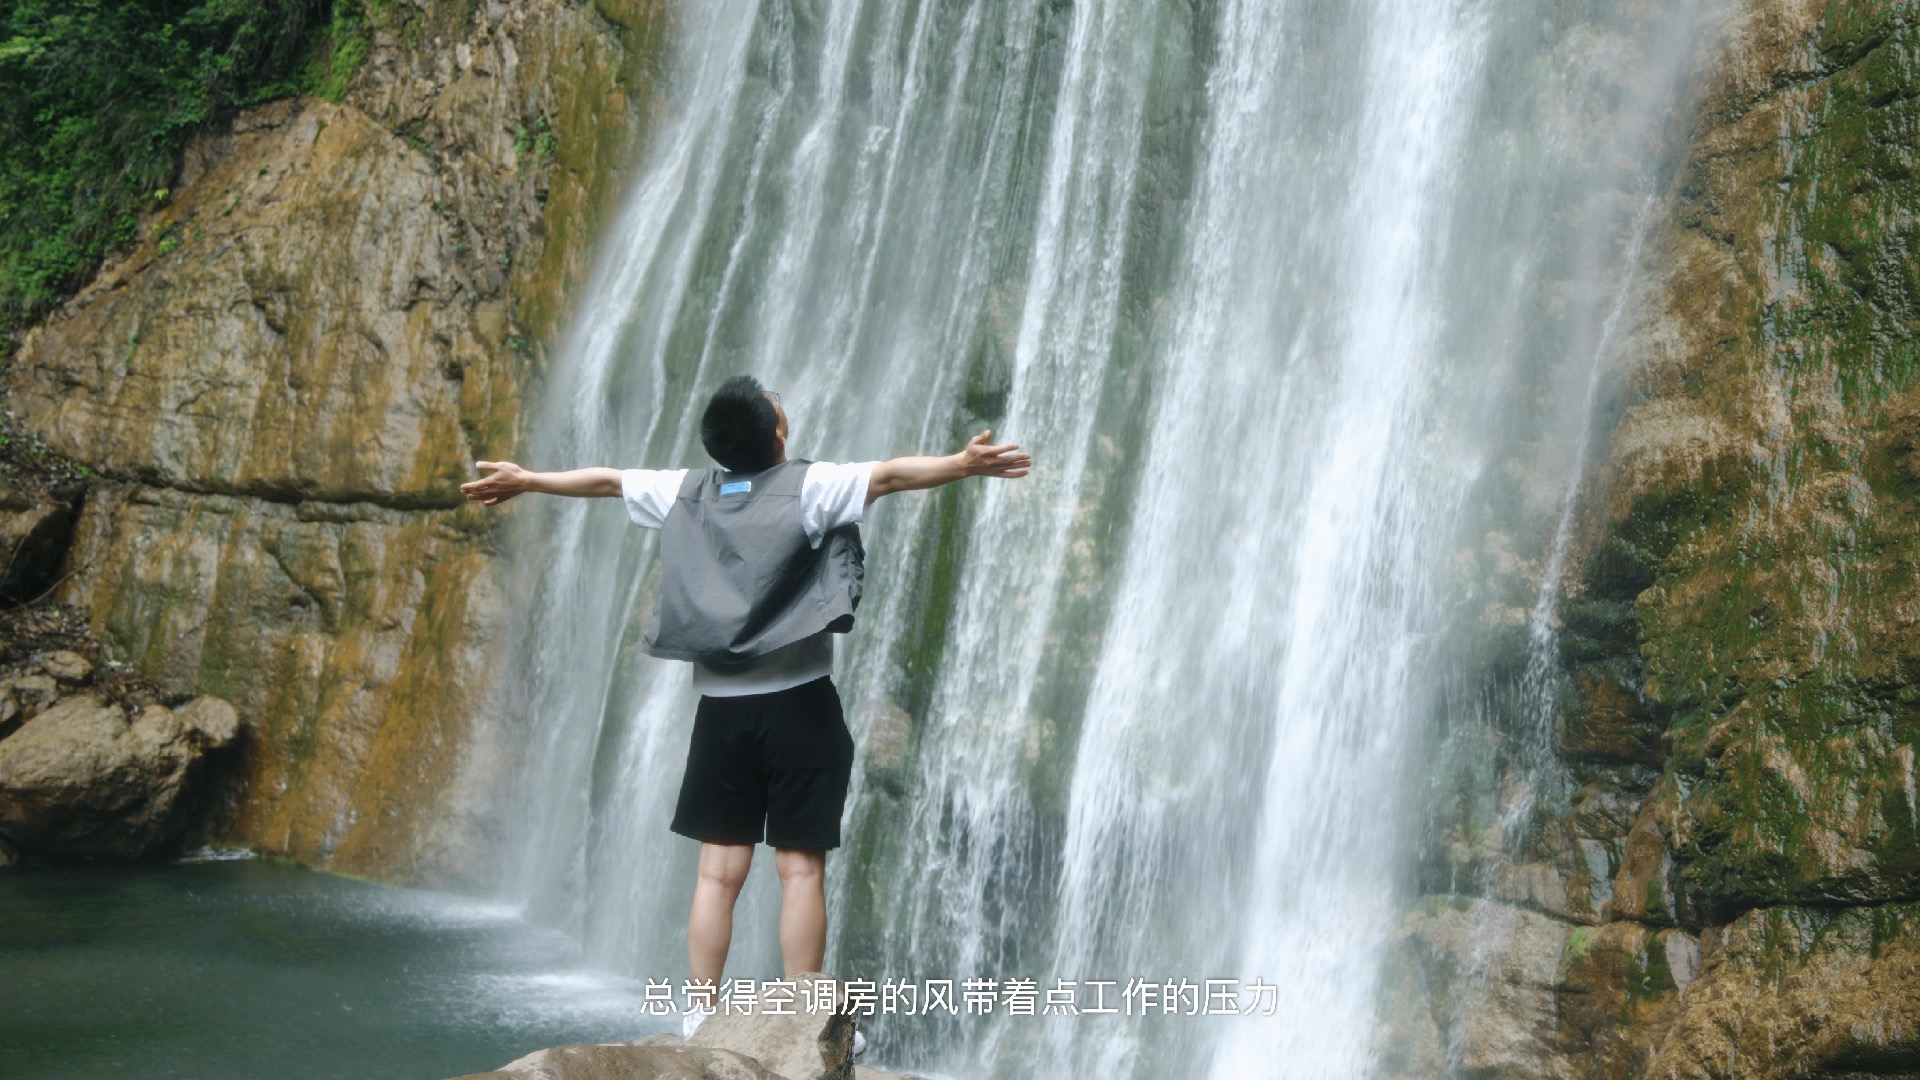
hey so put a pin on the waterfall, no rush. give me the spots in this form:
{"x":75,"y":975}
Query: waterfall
{"x":1276,"y":294}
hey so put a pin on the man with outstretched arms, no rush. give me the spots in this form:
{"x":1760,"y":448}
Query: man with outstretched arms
{"x":761,"y":564}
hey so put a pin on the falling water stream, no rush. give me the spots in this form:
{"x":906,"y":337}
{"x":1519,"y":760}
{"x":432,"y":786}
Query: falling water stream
{"x":1291,"y":301}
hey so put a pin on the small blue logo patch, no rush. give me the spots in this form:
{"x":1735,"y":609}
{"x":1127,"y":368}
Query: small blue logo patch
{"x":738,"y":487}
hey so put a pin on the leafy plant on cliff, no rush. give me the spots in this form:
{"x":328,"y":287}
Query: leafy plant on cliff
{"x":96,"y":98}
{"x":340,"y":52}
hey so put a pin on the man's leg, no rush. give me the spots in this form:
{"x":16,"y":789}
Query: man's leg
{"x":723,"y":870}
{"x":803,"y":908}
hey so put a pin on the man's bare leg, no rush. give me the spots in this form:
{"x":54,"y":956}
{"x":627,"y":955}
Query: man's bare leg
{"x":803,"y":908}
{"x":723,"y":870}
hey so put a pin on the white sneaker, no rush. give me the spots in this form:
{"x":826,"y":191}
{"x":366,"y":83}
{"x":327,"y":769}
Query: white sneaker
{"x":691,"y":1019}
{"x":859,"y":1043}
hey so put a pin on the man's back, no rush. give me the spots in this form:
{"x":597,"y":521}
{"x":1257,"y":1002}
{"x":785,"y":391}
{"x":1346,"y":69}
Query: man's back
{"x":757,"y":568}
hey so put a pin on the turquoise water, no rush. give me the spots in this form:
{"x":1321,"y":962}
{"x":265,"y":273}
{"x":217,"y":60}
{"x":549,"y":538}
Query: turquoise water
{"x":252,"y":969}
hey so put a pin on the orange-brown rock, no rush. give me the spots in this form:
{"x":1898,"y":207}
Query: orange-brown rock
{"x":1800,"y":993}
{"x":280,"y":387}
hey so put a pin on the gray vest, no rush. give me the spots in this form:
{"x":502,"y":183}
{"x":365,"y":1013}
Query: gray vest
{"x":738,"y":577}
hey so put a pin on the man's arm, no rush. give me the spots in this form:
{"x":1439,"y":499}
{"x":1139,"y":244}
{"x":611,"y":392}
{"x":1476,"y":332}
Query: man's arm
{"x":507,"y":480}
{"x":919,"y":473}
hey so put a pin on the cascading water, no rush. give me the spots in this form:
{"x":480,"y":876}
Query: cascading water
{"x":1537,"y":782}
{"x":1270,"y":290}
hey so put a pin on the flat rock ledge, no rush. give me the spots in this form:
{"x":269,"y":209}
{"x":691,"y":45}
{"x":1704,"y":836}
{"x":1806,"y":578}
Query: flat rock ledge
{"x":730,"y":1046}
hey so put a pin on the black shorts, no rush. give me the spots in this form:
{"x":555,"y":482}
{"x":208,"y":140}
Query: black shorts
{"x":773,"y":765}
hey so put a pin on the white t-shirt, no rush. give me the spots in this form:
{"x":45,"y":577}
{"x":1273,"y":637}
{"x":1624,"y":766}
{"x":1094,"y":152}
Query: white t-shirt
{"x":831,"y":495}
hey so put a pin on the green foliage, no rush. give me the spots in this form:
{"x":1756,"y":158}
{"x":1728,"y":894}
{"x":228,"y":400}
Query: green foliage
{"x":342,"y":51}
{"x":533,"y":142}
{"x":96,"y":98}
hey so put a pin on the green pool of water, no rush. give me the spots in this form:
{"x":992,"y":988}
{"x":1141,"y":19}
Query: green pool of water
{"x":249,"y":970}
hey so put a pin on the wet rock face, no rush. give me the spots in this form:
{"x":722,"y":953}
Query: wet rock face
{"x":1738,"y":851}
{"x":1498,"y":1017}
{"x":1793,"y":992}
{"x":1764,"y":514}
{"x":281,"y":387}
{"x":87,"y":779}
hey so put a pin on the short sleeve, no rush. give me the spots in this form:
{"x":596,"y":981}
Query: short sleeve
{"x":649,"y":494}
{"x":833,"y":495}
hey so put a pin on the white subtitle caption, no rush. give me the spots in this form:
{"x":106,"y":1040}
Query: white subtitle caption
{"x":1134,"y":996}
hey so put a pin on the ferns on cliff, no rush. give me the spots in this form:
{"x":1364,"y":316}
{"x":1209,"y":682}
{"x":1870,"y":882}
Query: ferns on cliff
{"x":96,"y":98}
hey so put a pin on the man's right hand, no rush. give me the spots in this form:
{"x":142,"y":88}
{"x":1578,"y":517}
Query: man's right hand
{"x":980,"y":458}
{"x":506,"y":481}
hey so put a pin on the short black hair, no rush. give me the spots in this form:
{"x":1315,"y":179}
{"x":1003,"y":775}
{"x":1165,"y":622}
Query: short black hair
{"x":739,"y":427}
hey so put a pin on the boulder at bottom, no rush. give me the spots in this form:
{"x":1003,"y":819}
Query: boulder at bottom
{"x":776,"y":1039}
{"x":782,"y":1033}
{"x":85,"y":780}
{"x":630,"y":1061}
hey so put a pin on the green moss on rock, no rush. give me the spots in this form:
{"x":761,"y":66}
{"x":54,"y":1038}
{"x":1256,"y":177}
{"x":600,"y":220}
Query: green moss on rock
{"x":1767,"y":543}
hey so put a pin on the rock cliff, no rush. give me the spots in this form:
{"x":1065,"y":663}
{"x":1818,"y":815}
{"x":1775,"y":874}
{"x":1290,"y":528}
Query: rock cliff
{"x":276,"y":392}
{"x":1731,"y":885}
